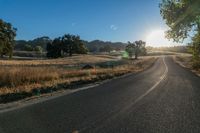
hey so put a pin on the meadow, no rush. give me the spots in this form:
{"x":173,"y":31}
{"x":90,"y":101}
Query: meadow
{"x":25,"y":78}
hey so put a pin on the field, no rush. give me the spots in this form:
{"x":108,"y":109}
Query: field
{"x":24,"y":78}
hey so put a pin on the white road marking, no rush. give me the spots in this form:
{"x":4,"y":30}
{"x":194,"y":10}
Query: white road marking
{"x":155,"y":85}
{"x":132,"y":104}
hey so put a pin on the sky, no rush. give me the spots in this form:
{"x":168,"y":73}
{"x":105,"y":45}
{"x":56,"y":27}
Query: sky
{"x":108,"y":20}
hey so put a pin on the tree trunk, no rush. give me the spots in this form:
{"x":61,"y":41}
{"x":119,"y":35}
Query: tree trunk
{"x":136,"y":56}
{"x":70,"y":52}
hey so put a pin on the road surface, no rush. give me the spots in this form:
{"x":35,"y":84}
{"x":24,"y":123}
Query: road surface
{"x":163,"y":99}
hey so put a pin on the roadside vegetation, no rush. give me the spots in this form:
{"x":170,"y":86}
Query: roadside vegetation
{"x":186,"y":61}
{"x":183,"y":19}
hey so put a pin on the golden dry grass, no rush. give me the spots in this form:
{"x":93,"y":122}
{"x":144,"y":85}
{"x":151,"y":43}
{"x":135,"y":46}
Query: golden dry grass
{"x":74,"y":60}
{"x":16,"y":77}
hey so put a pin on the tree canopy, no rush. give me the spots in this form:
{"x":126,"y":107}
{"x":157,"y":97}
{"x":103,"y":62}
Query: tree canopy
{"x":136,"y":48}
{"x":67,"y":44}
{"x":182,"y":17}
{"x":7,"y":35}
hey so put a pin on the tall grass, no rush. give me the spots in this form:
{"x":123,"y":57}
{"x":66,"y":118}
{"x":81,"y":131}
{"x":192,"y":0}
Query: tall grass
{"x":26,"y":78}
{"x":14,"y":76}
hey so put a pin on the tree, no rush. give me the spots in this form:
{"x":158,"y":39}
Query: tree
{"x":54,"y":49}
{"x":41,"y":42}
{"x":137,"y":48}
{"x":182,"y":17}
{"x":130,"y":49}
{"x":28,"y":47}
{"x":73,"y":45}
{"x":7,"y":35}
{"x":50,"y":50}
{"x":106,"y":48}
{"x":39,"y":49}
{"x":67,"y":44}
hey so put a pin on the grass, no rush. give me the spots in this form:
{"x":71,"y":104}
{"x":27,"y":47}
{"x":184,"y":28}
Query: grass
{"x":44,"y":75}
{"x":187,"y":62}
{"x":74,"y":60}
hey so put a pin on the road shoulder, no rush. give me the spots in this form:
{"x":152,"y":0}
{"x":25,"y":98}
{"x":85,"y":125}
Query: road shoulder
{"x":185,"y":62}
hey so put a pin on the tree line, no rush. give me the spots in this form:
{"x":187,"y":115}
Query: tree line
{"x":95,"y":46}
{"x":67,"y":45}
{"x":38,"y":44}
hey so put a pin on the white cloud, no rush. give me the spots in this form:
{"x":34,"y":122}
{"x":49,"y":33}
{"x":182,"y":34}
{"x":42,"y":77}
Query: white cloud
{"x":113,"y":27}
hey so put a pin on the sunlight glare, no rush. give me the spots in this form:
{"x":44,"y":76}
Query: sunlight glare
{"x":157,"y":39}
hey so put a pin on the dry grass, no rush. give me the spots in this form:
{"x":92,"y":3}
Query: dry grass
{"x":16,"y":77}
{"x":75,"y":60}
{"x":186,"y":61}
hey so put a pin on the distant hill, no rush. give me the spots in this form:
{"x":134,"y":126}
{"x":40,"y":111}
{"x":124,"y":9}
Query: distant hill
{"x":23,"y":45}
{"x":93,"y":46}
{"x":104,"y":46}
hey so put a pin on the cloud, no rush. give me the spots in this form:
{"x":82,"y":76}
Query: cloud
{"x":113,"y":27}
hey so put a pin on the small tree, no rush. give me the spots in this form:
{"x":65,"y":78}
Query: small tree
{"x":39,"y":50}
{"x":28,"y":47}
{"x":136,"y":48}
{"x":139,"y":48}
{"x":130,"y":49}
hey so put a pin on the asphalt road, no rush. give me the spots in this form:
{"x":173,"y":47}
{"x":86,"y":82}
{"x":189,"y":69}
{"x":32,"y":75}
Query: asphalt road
{"x":163,"y":99}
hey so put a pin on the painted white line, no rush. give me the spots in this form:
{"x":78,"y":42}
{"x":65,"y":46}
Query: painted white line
{"x":155,"y":85}
{"x":132,"y":104}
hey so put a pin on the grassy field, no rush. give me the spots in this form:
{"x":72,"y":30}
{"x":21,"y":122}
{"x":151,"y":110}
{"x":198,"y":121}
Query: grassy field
{"x":75,"y":60}
{"x":21,"y":79}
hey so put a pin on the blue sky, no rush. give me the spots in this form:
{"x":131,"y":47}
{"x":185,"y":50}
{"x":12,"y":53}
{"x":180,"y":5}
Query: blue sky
{"x":110,"y":20}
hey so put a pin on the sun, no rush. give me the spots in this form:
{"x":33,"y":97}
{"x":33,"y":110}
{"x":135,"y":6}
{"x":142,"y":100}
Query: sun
{"x":156,"y":38}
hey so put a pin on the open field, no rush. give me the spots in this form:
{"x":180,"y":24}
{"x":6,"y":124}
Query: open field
{"x":33,"y":77}
{"x":75,"y":60}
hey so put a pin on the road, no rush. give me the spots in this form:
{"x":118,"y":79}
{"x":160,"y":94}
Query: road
{"x":163,"y":99}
